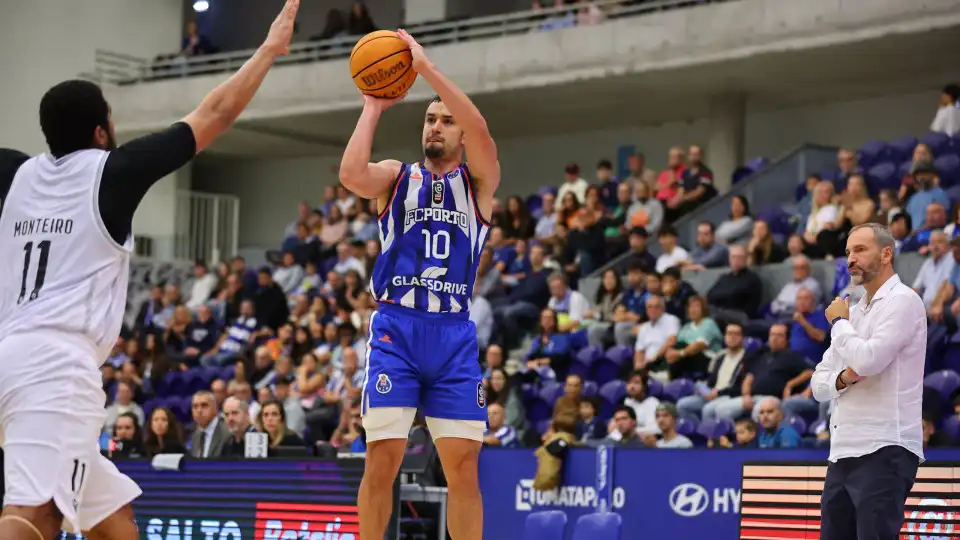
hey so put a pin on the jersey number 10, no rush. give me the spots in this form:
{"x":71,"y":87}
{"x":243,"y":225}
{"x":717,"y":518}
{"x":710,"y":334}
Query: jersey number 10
{"x":44,"y":248}
{"x":436,"y":245}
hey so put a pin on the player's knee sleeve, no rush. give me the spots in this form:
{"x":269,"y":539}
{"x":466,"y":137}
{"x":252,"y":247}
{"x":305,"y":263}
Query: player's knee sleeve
{"x":382,"y":423}
{"x":457,"y":429}
{"x":25,"y":522}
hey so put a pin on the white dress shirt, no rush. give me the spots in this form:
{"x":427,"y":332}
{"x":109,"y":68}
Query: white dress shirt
{"x":653,"y":334}
{"x":885,"y":342}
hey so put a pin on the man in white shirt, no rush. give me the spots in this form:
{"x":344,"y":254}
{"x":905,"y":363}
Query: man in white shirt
{"x":935,"y":270}
{"x":873,"y":371}
{"x":203,"y":286}
{"x":656,"y":335}
{"x":572,"y":184}
{"x":673,"y":255}
{"x":947,"y":119}
{"x":785,"y":304}
{"x":644,"y":407}
{"x":570,"y":306}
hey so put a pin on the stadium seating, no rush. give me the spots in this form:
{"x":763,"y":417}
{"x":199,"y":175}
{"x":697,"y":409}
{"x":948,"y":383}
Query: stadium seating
{"x":546,"y":525}
{"x":596,"y":526}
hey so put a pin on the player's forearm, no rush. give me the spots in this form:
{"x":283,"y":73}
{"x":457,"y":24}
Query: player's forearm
{"x":222,"y":106}
{"x":459,"y":104}
{"x":356,"y":157}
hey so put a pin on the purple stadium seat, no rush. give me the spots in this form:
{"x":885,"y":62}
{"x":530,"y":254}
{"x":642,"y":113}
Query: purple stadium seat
{"x":181,"y":409}
{"x":939,"y":143}
{"x":611,"y":394}
{"x":872,"y":153}
{"x":589,"y":389}
{"x":686,"y":426}
{"x":541,"y":406}
{"x":674,"y":390}
{"x":550,"y":392}
{"x":228,"y":372}
{"x":901,"y":148}
{"x":654,"y":388}
{"x":842,"y":277}
{"x":547,"y":189}
{"x":945,"y":382}
{"x":196,"y":381}
{"x":589,"y":354}
{"x":607,"y":368}
{"x":777,"y":219}
{"x":757,"y":164}
{"x":150,"y":405}
{"x":547,"y":525}
{"x":948,"y":165}
{"x":578,"y":340}
{"x":882,"y":176}
{"x":752,"y":344}
{"x":797,"y":423}
{"x":951,"y":360}
{"x":905,"y":168}
{"x":174,"y":384}
{"x":542,"y":426}
{"x":535,"y":205}
{"x":951,"y":428}
{"x":714,"y":429}
{"x":954,"y":194}
{"x":594,"y":526}
{"x":816,"y":426}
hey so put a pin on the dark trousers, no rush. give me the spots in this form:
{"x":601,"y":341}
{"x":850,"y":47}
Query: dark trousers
{"x":864,"y":497}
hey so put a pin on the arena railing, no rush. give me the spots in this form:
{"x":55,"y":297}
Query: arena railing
{"x":119,"y":68}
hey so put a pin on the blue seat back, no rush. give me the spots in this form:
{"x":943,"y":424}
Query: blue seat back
{"x":548,"y":525}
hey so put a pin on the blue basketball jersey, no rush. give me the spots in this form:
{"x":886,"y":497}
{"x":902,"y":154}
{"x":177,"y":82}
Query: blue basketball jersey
{"x":431,"y":236}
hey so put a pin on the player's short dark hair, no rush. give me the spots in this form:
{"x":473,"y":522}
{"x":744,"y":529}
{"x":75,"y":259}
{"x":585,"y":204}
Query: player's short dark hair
{"x":627,"y":409}
{"x":436,"y":99}
{"x":70,"y":112}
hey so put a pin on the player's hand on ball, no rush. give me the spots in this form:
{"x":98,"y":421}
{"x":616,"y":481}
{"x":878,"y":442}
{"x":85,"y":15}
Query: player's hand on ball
{"x":840,"y":307}
{"x":380,"y":104}
{"x":419,"y":57}
{"x":281,"y":31}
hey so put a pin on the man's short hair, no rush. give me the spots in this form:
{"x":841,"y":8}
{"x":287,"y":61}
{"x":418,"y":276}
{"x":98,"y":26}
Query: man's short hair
{"x":668,"y":230}
{"x":70,"y":112}
{"x":636,"y":266}
{"x":244,"y":406}
{"x":673,"y":272}
{"x":605,"y":164}
{"x":748,"y":423}
{"x":557,"y":276}
{"x":713,"y":228}
{"x":627,"y":409}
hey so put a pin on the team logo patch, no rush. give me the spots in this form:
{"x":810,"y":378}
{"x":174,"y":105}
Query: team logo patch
{"x":383,"y":383}
{"x":438,"y":192}
{"x":481,"y":396}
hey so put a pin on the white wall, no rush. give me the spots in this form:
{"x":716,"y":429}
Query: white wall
{"x":270,"y":190}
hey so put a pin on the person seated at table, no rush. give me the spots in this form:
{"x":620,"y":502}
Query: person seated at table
{"x":272,"y":420}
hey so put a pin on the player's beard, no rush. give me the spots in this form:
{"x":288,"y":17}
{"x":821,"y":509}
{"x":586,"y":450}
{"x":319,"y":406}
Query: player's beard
{"x":433,"y":150}
{"x":866,"y":273}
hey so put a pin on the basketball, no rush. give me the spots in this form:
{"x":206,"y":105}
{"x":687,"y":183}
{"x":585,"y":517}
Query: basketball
{"x":381,"y":65}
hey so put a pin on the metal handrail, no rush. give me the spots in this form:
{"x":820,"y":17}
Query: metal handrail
{"x":121,"y":68}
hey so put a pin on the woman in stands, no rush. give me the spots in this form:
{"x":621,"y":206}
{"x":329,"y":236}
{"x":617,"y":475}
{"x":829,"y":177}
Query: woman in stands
{"x":163,"y":434}
{"x":569,"y":208}
{"x":517,"y":223}
{"x":175,"y":339}
{"x":699,"y":337}
{"x":737,"y":228}
{"x":856,"y":208}
{"x":763,"y":247}
{"x":127,"y":440}
{"x":598,"y":320}
{"x":501,"y":391}
{"x":549,"y":354}
{"x":823,"y":214}
{"x":272,"y":420}
{"x":909,"y":186}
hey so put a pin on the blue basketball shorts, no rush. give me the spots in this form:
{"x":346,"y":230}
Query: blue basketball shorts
{"x":426,"y":361}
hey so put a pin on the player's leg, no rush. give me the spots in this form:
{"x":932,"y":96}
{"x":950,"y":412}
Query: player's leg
{"x":386,"y":430}
{"x":118,"y":526}
{"x":30,"y":522}
{"x":106,"y":513}
{"x":458,"y":444}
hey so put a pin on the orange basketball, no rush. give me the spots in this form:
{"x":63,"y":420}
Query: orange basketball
{"x":381,"y":65}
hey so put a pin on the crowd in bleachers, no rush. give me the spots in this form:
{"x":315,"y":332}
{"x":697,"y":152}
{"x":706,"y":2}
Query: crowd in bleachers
{"x":646,"y":361}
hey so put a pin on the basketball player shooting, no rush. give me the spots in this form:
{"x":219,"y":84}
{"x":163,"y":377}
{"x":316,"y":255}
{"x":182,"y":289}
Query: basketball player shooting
{"x":422,"y":346}
{"x":65,"y":237}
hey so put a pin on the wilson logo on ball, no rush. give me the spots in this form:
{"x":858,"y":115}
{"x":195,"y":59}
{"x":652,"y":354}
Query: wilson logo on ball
{"x":383,"y":75}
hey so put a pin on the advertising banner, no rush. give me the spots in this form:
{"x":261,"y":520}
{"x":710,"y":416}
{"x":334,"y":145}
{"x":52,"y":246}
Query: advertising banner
{"x":664,"y":493}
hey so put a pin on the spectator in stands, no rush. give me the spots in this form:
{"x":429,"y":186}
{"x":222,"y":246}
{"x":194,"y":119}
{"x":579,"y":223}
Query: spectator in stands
{"x":163,"y":434}
{"x":823,"y":213}
{"x":545,"y":229}
{"x":248,"y":276}
{"x":227,"y":305}
{"x":638,"y":254}
{"x":303,"y":210}
{"x":856,"y":208}
{"x":202,"y":337}
{"x":889,"y":206}
{"x":236,"y":413}
{"x":289,"y":275}
{"x":643,"y":405}
{"x":599,"y":320}
{"x":933,"y":438}
{"x":847,"y":166}
{"x":569,"y":305}
{"x":624,"y":430}
{"x":203,"y":286}
{"x":127,"y":441}
{"x":129,"y":375}
{"x":746,"y":436}
{"x":737,"y":228}
{"x":516,"y":311}
{"x":209,"y":434}
{"x":549,"y":353}
{"x":784,"y":305}
{"x":499,"y":433}
{"x":123,"y":403}
{"x":633,"y":309}
{"x":900,"y":227}
{"x":588,"y":13}
{"x":219,"y":390}
{"x":775,"y":371}
{"x":723,"y":375}
{"x":149,"y":309}
{"x":696,"y":186}
{"x":708,"y":253}
{"x":639,"y":172}
{"x":668,"y":182}
{"x":272,"y":420}
{"x":607,"y":184}
{"x":489,"y":282}
{"x":763,"y":248}
{"x":947,"y":119}
{"x":175,"y":337}
{"x":795,"y":245}
{"x":646,"y":211}
{"x":170,"y":301}
{"x":615,"y":225}
{"x":572,"y":183}
{"x":492,"y":359}
{"x":774,"y":433}
{"x":673,"y":254}
{"x":655,"y":336}
{"x":271,"y":304}
{"x":501,"y":391}
{"x":193,"y":43}
{"x":481,"y":313}
{"x":808,"y":335}
{"x":359,"y":22}
{"x":926,"y":177}
{"x":560,"y":19}
{"x":735,"y":297}
{"x":518,"y":225}
{"x":675,"y":292}
{"x":519,"y":265}
{"x":586,"y":234}
{"x":936,"y":270}
{"x":304,"y":245}
{"x":237,"y":339}
{"x":282,"y":392}
{"x":697,"y":339}
{"x":118,"y":355}
{"x":936,"y":220}
{"x":805,"y":205}
{"x":569,"y":209}
{"x":667,"y":422}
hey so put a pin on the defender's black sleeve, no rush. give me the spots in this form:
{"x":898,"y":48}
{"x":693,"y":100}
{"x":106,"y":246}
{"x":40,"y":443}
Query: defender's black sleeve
{"x":10,"y":162}
{"x":132,"y":169}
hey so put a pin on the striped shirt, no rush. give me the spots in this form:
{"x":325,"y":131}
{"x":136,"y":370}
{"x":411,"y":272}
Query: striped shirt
{"x":507,"y":437}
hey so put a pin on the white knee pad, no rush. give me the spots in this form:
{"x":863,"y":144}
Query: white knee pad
{"x":457,"y":429}
{"x":382,"y":423}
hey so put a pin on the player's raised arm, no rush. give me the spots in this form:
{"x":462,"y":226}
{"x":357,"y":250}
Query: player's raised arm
{"x":481,"y":150}
{"x":224,"y":104}
{"x":357,"y":173}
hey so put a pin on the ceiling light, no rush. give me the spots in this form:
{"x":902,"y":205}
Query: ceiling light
{"x":201,"y":5}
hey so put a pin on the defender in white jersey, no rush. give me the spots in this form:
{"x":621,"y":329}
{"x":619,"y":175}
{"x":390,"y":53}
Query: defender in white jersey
{"x":65,"y":243}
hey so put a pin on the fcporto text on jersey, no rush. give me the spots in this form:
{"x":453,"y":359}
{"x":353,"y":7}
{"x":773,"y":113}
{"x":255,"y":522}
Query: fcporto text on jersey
{"x":47,"y":225}
{"x":453,"y":217}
